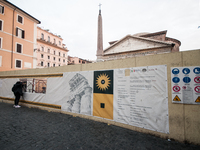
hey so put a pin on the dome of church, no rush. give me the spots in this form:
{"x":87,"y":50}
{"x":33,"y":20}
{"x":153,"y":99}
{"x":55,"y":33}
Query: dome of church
{"x":140,"y":34}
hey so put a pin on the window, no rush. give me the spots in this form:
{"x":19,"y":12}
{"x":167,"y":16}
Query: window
{"x":63,"y":60}
{"x":18,"y":63}
{"x":42,"y":36}
{"x":19,"y":48}
{"x":59,"y":53}
{"x":54,"y":58}
{"x":1,"y":9}
{"x":59,"y":43}
{"x":102,"y":105}
{"x":59,"y":59}
{"x":42,"y":55}
{"x":48,"y":38}
{"x":42,"y":64}
{"x":1,"y":25}
{"x":20,"y":33}
{"x":63,"y":55}
{"x":48,"y":64}
{"x":48,"y":57}
{"x":42,"y":48}
{"x":1,"y":39}
{"x":20,"y":19}
{"x":0,"y":61}
{"x":48,"y":50}
{"x":54,"y":65}
{"x":54,"y":41}
{"x":54,"y":52}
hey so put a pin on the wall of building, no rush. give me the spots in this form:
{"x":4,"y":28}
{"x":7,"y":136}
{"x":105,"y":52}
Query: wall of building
{"x":58,"y":40}
{"x":138,"y":53}
{"x":8,"y":50}
{"x":183,"y":118}
{"x":52,"y":51}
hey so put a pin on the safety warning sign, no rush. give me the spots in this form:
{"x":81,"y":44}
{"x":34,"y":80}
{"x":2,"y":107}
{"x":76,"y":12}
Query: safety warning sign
{"x":197,"y":89}
{"x":176,"y":98}
{"x":185,"y":84}
{"x":176,"y":88}
{"x":196,"y":70}
{"x":197,"y":79}
{"x":198,"y":100}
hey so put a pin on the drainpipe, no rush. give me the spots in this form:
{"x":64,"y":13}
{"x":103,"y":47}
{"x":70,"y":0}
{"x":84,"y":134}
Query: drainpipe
{"x":12,"y":38}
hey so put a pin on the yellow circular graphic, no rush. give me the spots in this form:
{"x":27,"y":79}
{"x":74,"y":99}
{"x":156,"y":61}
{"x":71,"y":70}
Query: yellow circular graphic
{"x":103,"y":82}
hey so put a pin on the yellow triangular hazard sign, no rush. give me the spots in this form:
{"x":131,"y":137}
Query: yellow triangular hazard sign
{"x":198,"y":99}
{"x":176,"y":98}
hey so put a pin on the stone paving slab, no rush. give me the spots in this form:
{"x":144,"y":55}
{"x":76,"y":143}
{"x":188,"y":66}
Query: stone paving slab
{"x":34,"y":129}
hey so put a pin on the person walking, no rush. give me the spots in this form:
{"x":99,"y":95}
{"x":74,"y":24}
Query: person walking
{"x":17,"y":90}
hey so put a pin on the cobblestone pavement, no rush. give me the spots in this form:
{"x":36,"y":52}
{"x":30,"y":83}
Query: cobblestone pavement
{"x":34,"y":129}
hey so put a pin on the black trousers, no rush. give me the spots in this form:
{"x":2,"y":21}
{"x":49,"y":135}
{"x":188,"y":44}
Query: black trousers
{"x":17,"y":97}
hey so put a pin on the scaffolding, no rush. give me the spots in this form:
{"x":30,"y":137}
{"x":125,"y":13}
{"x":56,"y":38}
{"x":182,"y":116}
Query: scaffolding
{"x":34,"y":85}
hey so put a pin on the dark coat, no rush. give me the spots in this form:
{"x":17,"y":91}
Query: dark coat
{"x":17,"y":88}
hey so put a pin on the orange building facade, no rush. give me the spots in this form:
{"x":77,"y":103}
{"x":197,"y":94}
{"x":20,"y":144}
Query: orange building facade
{"x":18,"y":34}
{"x":76,"y":60}
{"x":51,"y":52}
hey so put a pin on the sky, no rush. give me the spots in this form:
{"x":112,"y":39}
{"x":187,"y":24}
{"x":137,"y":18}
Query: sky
{"x":76,"y":21}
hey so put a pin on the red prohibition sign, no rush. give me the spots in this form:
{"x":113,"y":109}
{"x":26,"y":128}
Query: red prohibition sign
{"x":197,"y":89}
{"x":176,"y":88}
{"x":197,"y":79}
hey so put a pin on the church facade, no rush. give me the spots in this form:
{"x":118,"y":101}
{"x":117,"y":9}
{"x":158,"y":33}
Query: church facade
{"x":140,"y":44}
{"x":135,"y":45}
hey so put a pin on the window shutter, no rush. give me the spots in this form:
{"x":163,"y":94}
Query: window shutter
{"x":16,"y":31}
{"x":23,"y":34}
{"x":0,"y":25}
{"x":19,"y":48}
{"x":2,"y":10}
{"x":20,"y":19}
{"x":18,"y":63}
{"x":0,"y":61}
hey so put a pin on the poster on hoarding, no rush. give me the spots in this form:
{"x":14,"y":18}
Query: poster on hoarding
{"x":103,"y":94}
{"x":77,"y":87}
{"x":185,"y":85}
{"x":140,"y":97}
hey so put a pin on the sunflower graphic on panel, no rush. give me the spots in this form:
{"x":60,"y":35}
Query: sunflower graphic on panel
{"x":103,"y":94}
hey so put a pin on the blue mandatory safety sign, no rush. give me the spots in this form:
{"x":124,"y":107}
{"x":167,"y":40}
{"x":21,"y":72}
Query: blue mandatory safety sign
{"x":196,"y":70}
{"x":186,"y":79}
{"x":175,"y":71}
{"x":186,"y":70}
{"x":176,"y":80}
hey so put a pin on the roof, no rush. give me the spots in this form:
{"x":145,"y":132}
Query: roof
{"x":153,"y":34}
{"x":12,"y":5}
{"x":174,"y":40}
{"x":49,"y":32}
{"x":141,"y":38}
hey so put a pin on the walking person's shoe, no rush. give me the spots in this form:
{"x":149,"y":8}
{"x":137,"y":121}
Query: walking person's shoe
{"x":17,"y":106}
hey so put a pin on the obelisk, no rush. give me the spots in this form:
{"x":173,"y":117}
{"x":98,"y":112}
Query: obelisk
{"x":99,"y":37}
